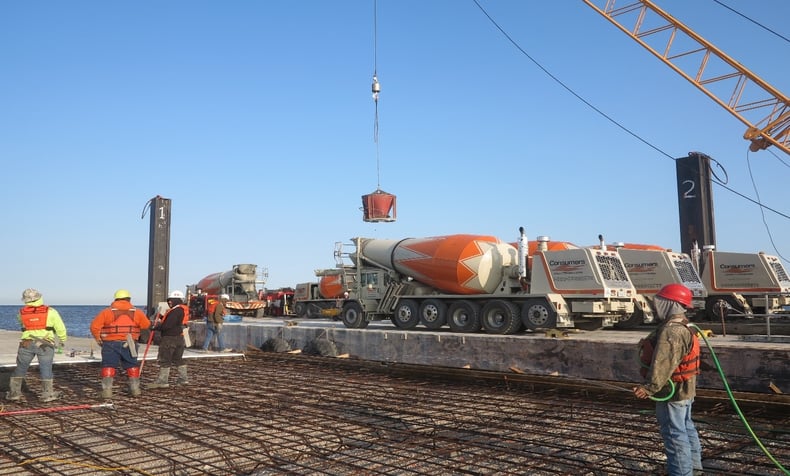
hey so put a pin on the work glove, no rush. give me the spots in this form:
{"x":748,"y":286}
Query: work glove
{"x":59,"y":350}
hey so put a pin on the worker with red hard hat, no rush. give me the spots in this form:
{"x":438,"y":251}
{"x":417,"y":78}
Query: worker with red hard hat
{"x":672,"y":353}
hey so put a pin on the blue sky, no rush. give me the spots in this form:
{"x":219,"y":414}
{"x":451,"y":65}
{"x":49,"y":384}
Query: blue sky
{"x":256,"y":119}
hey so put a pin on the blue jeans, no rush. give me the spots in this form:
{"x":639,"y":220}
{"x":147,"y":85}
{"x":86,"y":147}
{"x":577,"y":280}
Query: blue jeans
{"x":115,"y":353}
{"x":681,"y":441}
{"x":25,"y":355}
{"x":211,"y":331}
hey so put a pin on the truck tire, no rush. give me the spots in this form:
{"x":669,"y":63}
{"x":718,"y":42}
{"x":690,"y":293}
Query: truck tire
{"x":407,"y":314}
{"x":500,"y":317}
{"x":300,"y":309}
{"x":353,"y":316}
{"x":464,"y":316}
{"x":538,"y":314}
{"x":433,"y":313}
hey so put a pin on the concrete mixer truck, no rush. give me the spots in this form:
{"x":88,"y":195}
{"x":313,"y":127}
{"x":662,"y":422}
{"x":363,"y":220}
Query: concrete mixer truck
{"x":469,"y":283}
{"x":240,"y":284}
{"x":742,"y":284}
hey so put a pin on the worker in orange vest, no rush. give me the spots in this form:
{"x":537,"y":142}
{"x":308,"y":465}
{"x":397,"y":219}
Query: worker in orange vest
{"x":40,"y":324}
{"x":116,"y":329}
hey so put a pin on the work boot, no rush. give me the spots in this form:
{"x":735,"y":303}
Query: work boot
{"x":14,"y":389}
{"x":134,"y":387}
{"x":134,"y":381}
{"x":182,"y":375}
{"x":106,"y":388}
{"x":47,"y":393}
{"x":161,"y":380}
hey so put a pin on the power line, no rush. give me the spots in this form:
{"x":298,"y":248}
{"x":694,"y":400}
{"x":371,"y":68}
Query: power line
{"x":753,"y":21}
{"x":715,"y":180}
{"x":606,"y":116}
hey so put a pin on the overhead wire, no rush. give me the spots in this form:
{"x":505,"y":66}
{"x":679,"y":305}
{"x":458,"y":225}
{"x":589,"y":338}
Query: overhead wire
{"x":751,"y":20}
{"x":748,"y":161}
{"x":762,"y":212}
{"x":715,"y":179}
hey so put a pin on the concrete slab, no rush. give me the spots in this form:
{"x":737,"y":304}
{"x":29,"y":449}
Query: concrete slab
{"x":81,"y":350}
{"x":754,"y":365}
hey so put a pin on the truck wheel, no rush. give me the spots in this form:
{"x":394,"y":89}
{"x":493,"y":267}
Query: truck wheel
{"x":406,"y":314}
{"x":537,"y":314}
{"x":500,"y":317}
{"x":353,"y":317}
{"x":464,"y":316}
{"x":300,"y":309}
{"x":433,"y":313}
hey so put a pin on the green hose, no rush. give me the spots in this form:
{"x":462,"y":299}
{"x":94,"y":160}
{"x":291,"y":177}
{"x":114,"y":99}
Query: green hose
{"x":735,"y":404}
{"x":670,"y":395}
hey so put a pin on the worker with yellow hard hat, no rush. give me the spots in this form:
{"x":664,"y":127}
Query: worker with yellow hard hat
{"x":116,"y":329}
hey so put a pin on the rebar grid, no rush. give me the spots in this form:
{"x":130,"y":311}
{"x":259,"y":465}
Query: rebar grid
{"x":281,"y":414}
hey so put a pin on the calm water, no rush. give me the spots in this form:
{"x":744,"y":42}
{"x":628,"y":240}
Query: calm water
{"x":77,"y":318}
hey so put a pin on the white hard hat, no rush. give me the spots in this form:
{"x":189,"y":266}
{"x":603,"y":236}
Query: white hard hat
{"x":175,"y":295}
{"x":30,"y":295}
{"x":224,"y":296}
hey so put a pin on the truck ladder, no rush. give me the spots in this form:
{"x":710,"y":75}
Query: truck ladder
{"x":387,"y":303}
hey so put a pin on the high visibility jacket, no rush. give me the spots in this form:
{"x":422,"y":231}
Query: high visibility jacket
{"x":689,"y":364}
{"x":212,"y":304}
{"x":171,"y":325}
{"x":46,"y":321}
{"x":114,"y":323}
{"x":34,"y":318}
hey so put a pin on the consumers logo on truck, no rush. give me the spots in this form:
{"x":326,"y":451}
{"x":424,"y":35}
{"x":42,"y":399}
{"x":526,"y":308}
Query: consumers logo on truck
{"x":641,"y":267}
{"x":737,"y":268}
{"x":567,"y":266}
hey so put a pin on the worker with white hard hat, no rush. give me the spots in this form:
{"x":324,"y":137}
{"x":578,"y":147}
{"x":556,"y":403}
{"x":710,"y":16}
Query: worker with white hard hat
{"x":171,"y":346}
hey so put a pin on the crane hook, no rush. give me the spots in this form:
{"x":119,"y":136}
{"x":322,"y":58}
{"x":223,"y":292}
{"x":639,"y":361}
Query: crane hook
{"x":375,"y":88}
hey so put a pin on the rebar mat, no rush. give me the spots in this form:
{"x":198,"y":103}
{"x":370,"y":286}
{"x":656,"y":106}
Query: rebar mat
{"x":277,"y":414}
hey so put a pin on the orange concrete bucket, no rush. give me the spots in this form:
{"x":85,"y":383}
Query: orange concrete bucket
{"x":379,"y":206}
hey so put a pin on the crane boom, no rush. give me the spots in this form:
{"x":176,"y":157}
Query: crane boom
{"x":763,"y":108}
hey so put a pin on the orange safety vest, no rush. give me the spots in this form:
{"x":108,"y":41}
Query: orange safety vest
{"x":212,"y":304}
{"x":122,"y":324}
{"x":185,"y":320}
{"x":689,"y":365}
{"x":34,"y":318}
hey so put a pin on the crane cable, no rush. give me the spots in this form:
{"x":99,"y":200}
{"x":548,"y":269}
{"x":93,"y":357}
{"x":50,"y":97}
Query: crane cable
{"x":376,"y":89}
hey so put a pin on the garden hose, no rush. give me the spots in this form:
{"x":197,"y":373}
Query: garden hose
{"x":670,"y":395}
{"x":735,"y":403}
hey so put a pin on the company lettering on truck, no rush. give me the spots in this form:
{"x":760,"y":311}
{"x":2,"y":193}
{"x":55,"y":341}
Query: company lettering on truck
{"x":562,"y":270}
{"x":737,"y":268}
{"x":641,"y":267}
{"x":568,"y":266}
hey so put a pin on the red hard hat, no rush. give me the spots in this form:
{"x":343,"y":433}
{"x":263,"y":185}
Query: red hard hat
{"x":676,"y":292}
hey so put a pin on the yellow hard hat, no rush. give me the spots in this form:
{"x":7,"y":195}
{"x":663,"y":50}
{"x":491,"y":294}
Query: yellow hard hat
{"x":122,"y":294}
